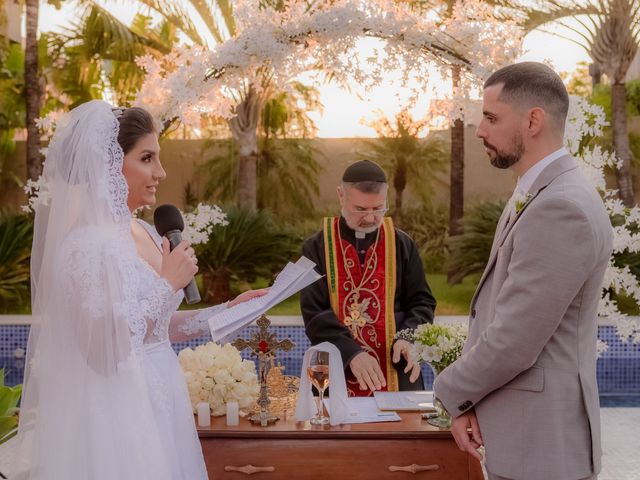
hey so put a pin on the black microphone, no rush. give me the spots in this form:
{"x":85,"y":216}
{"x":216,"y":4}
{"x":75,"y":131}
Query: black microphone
{"x":169,"y":223}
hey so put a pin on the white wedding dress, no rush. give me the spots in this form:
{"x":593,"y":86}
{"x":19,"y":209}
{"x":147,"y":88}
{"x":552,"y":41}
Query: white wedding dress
{"x":165,"y":381}
{"x":104,"y":397}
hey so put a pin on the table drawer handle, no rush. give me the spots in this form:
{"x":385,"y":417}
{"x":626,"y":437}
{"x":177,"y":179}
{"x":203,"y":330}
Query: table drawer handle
{"x":248,"y":469}
{"x":413,"y":468}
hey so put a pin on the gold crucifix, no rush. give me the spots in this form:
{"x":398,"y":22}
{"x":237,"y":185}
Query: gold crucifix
{"x":264,"y":345}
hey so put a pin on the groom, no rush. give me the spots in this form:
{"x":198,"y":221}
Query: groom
{"x":525,"y":386}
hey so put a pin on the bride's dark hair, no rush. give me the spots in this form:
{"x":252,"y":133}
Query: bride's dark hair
{"x":135,"y":123}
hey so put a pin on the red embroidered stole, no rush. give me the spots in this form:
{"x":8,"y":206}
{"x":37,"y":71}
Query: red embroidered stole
{"x":363,"y":298}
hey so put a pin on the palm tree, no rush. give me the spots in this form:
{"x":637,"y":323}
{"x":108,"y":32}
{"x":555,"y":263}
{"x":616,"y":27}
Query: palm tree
{"x":286,"y":168}
{"x":32,"y":90}
{"x":613,"y":46}
{"x":411,"y":161}
{"x":456,"y":159}
{"x":612,"y":38}
{"x":97,"y":55}
{"x":456,"y":173}
{"x":12,"y":105}
{"x":217,"y":17}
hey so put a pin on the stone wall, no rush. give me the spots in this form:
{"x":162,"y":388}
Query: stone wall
{"x":181,"y":157}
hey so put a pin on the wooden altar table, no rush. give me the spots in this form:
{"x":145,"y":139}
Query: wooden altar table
{"x":298,"y":450}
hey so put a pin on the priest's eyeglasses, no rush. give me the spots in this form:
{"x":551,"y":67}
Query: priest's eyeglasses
{"x":376,"y":212}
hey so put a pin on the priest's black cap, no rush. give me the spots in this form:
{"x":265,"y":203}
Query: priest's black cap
{"x":364,"y":171}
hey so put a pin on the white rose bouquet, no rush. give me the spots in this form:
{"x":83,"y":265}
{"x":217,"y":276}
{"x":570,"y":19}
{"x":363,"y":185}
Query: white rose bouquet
{"x":439,"y":345}
{"x":217,"y":374}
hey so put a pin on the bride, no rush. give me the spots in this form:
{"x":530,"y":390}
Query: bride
{"x":104,"y":397}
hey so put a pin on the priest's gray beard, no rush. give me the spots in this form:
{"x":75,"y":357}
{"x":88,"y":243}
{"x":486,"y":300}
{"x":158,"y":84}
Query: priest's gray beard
{"x":362,"y":227}
{"x":504,"y":160}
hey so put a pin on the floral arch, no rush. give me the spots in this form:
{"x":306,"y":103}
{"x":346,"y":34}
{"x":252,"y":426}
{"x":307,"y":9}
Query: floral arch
{"x":272,"y":47}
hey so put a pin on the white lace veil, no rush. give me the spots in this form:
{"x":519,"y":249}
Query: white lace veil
{"x":86,"y":412}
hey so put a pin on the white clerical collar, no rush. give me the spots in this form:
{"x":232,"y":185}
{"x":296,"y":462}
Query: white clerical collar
{"x":526,"y":181}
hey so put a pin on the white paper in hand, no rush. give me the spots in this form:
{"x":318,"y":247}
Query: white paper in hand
{"x":293,"y":278}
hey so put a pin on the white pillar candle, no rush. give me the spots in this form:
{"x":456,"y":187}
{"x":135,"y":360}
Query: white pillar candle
{"x":232,"y":413}
{"x":204,"y":414}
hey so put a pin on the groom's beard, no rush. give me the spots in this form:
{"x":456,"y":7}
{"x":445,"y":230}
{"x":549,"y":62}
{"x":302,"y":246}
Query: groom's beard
{"x":504,"y":160}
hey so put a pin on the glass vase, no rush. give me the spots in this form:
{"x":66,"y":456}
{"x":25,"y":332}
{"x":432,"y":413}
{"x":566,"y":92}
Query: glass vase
{"x":443,"y":420}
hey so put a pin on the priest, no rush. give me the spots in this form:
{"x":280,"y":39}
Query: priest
{"x":374,"y":286}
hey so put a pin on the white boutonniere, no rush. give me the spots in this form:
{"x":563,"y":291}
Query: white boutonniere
{"x":520,"y":200}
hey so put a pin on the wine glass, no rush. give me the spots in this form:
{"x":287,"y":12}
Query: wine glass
{"x":318,"y":372}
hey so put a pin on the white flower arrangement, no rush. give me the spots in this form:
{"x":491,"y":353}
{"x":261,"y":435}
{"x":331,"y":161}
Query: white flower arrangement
{"x":439,"y":345}
{"x":199,"y":223}
{"x":216,"y":374}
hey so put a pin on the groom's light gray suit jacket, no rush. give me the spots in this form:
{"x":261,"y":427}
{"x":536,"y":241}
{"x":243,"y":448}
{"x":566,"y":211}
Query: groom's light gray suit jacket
{"x":529,"y":365}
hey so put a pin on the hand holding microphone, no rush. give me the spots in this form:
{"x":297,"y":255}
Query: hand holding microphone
{"x":179,"y":263}
{"x":178,"y":266}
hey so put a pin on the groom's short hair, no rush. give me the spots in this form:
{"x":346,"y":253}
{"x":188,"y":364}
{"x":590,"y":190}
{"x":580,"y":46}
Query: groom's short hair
{"x":533,"y":84}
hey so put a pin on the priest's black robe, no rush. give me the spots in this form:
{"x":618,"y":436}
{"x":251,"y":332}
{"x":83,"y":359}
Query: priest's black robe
{"x":414,"y":303}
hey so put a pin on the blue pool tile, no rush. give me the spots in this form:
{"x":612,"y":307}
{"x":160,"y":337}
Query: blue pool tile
{"x":618,"y":369}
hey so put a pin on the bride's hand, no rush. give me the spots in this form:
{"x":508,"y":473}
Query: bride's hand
{"x":248,"y":295}
{"x":178,"y":265}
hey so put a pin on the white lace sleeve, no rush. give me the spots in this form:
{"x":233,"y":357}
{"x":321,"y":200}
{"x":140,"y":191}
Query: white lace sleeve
{"x":157,"y":305}
{"x":191,"y":324}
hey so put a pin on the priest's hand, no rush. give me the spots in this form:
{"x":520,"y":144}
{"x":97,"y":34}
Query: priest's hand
{"x":466,"y":432}
{"x":248,"y":295}
{"x":402,"y":347}
{"x":367,"y":371}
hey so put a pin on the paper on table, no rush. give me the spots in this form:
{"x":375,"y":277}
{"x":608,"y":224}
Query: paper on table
{"x":365,"y":410}
{"x":293,"y":278}
{"x":418,"y":400}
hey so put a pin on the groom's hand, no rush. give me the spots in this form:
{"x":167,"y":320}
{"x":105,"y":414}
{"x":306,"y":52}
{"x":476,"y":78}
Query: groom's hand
{"x":402,"y":347}
{"x":466,"y":432}
{"x":367,"y":372}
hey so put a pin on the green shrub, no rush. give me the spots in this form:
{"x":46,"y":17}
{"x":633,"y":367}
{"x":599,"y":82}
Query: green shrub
{"x":428,"y":226}
{"x":252,"y":245}
{"x":469,"y":252}
{"x":16,"y":232}
{"x":9,"y":398}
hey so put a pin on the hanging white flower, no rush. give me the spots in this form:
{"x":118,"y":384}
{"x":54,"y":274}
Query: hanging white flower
{"x":586,"y":120}
{"x":38,"y":194}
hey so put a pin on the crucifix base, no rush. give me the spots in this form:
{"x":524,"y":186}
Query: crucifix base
{"x":263,"y":419}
